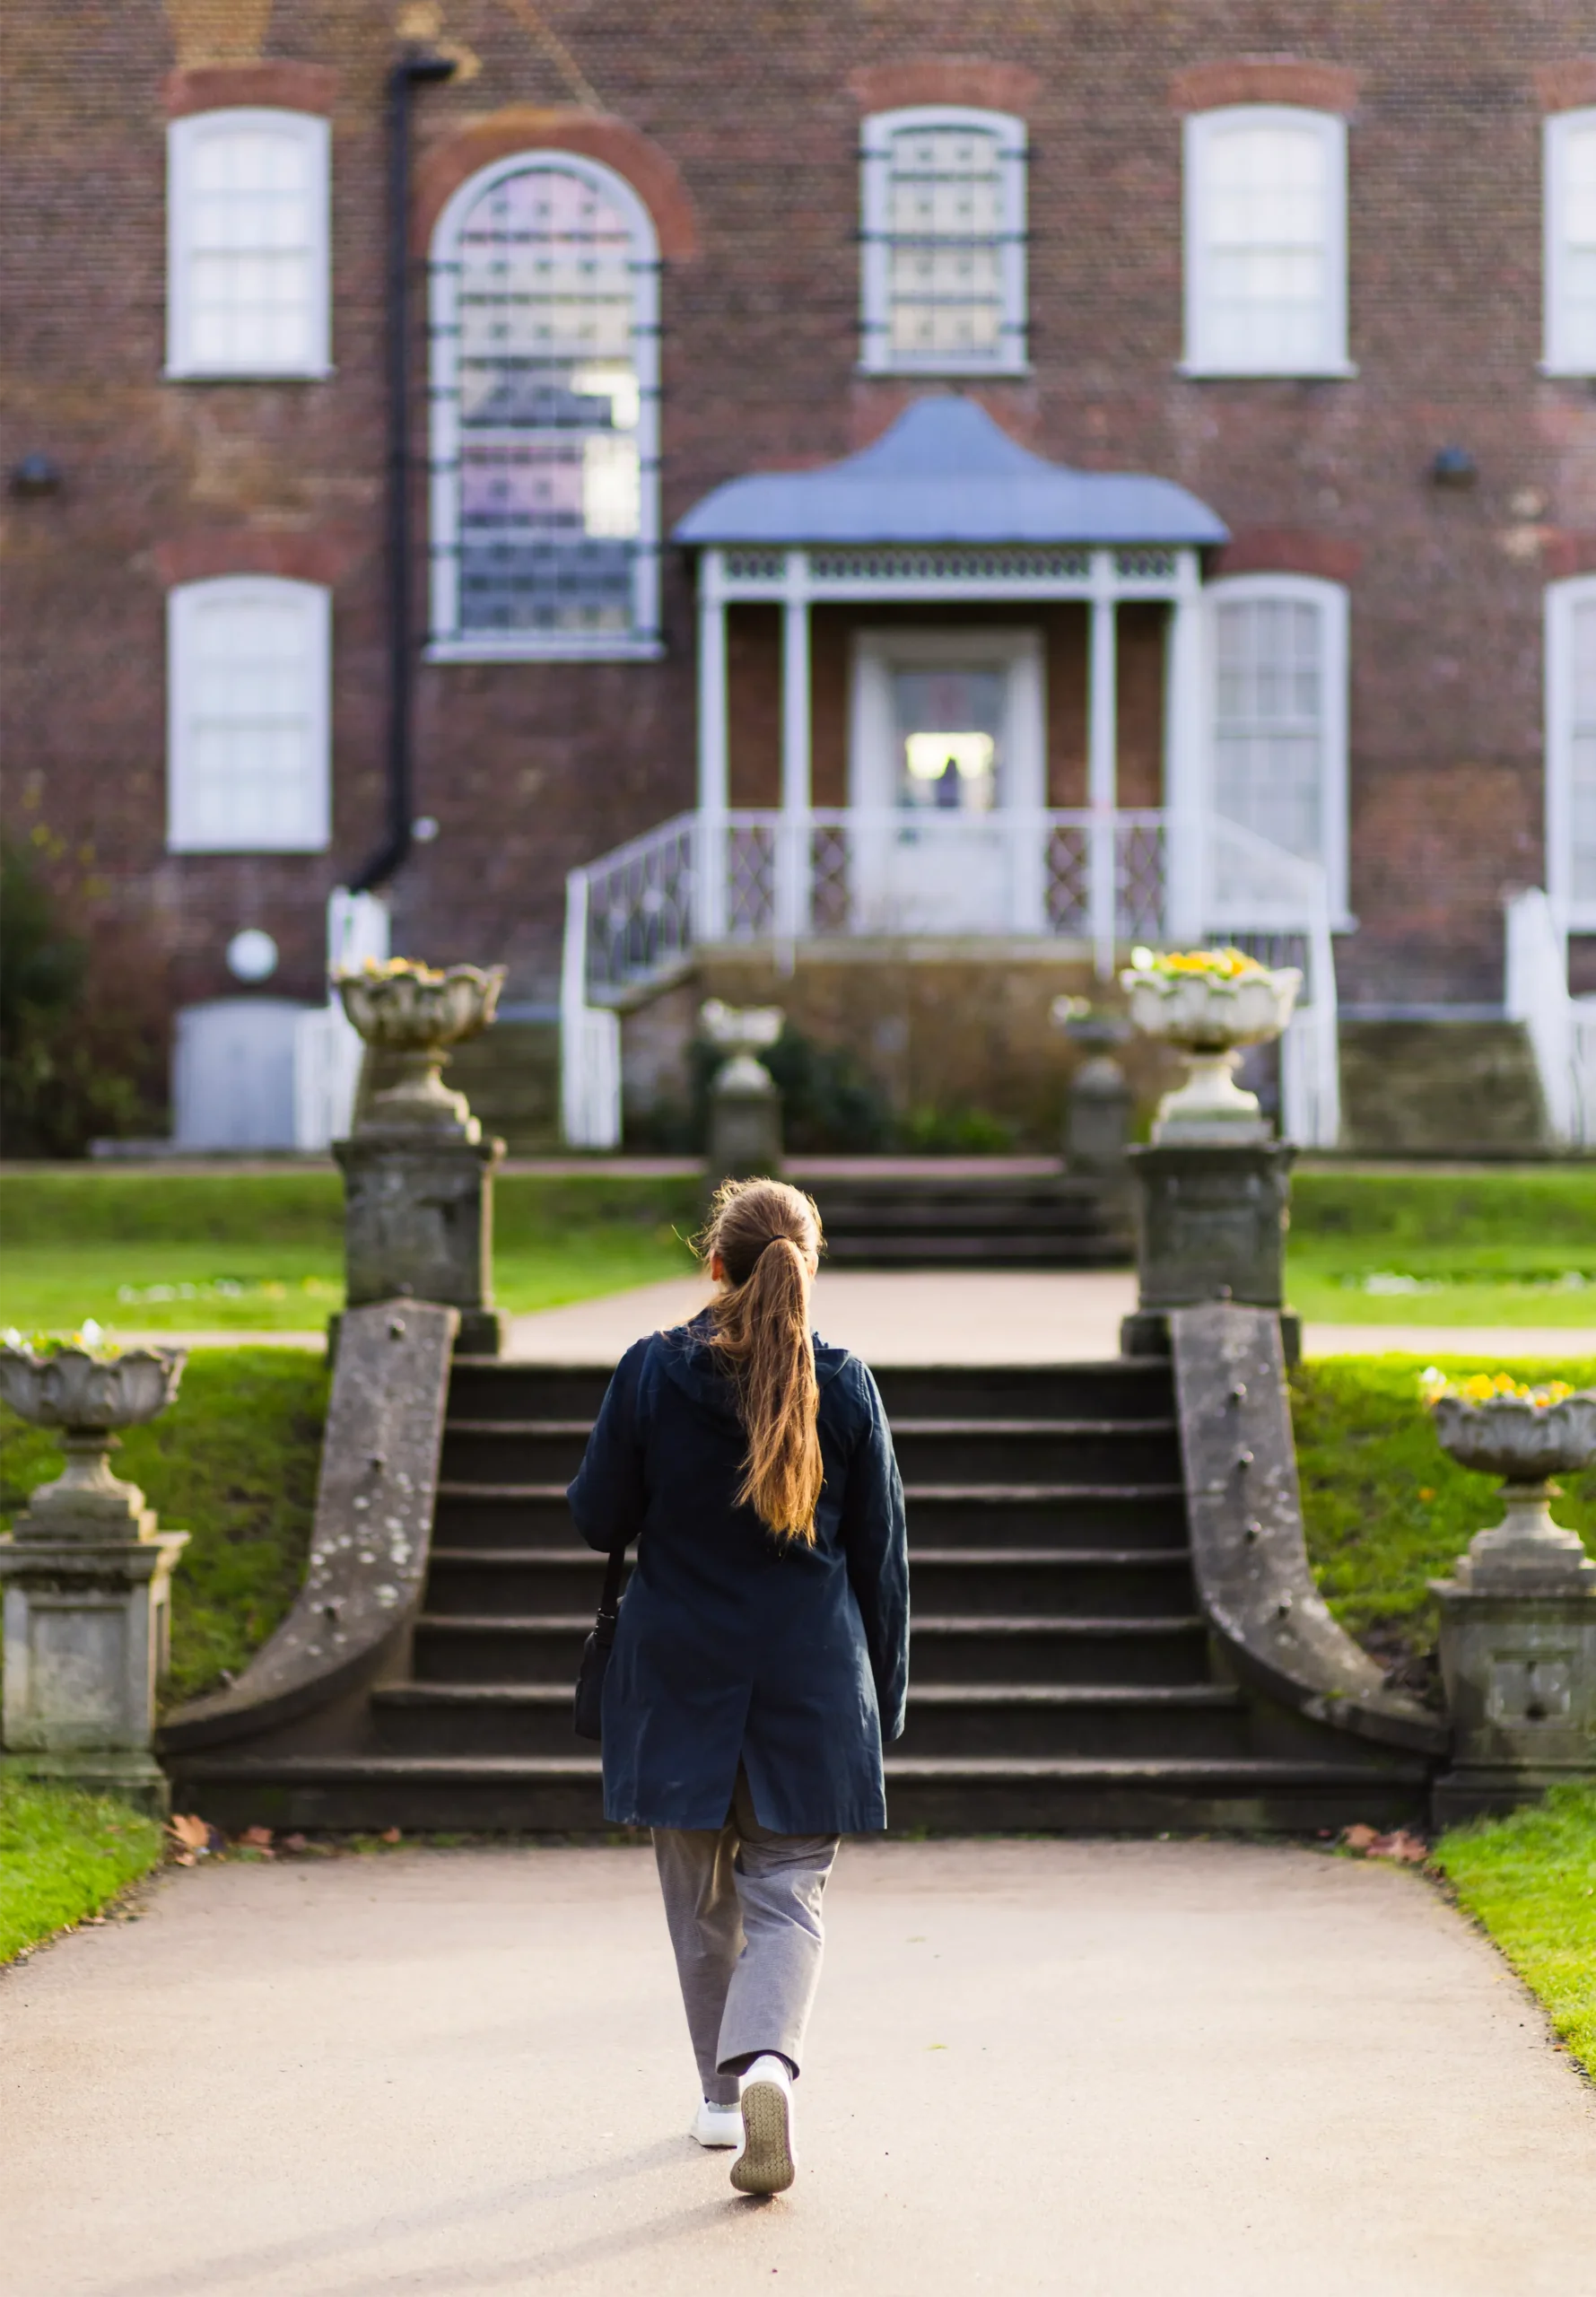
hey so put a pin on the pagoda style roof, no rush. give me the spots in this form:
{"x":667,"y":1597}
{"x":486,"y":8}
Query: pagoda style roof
{"x":944,"y":472}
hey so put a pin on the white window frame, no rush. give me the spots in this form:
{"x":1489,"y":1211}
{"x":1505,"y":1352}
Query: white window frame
{"x":312,"y":832}
{"x":1558,"y":133}
{"x":1333,"y":601}
{"x":643,"y":642}
{"x":1562,"y":600}
{"x":1201,"y":131}
{"x":876,"y":355}
{"x":184,"y":138}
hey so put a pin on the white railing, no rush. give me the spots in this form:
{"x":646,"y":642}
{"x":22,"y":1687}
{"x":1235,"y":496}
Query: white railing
{"x":327,"y":1049}
{"x":634,"y":918}
{"x":1561,"y":1028}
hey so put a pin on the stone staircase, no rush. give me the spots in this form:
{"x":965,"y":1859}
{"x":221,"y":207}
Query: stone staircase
{"x":905,"y":1217}
{"x":1447,"y":1088}
{"x":1062,"y":1677}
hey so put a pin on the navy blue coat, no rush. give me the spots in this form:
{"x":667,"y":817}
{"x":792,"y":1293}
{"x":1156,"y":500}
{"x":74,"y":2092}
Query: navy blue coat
{"x":734,"y":1646}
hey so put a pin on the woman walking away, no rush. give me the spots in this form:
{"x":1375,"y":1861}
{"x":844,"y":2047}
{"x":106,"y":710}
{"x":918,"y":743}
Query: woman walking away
{"x":761,"y":1654}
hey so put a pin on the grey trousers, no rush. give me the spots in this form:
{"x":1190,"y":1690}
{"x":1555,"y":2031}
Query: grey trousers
{"x":742,"y":1908}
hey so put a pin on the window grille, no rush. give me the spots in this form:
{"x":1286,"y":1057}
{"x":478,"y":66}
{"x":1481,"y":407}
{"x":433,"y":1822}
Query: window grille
{"x":942,"y":278}
{"x":545,"y":284}
{"x":1266,"y":242}
{"x":247,"y":244}
{"x":248,"y":764}
{"x":1278,"y":714}
{"x":1571,"y":243}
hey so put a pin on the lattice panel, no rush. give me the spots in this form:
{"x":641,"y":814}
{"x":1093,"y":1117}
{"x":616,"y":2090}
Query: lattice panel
{"x":1068,"y":880}
{"x":950,"y":566}
{"x":1139,"y":880}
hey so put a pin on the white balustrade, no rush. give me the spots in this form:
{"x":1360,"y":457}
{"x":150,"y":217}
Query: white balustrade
{"x":1560,"y":1027}
{"x":1098,"y":878}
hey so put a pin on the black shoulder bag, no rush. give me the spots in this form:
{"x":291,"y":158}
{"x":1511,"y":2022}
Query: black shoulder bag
{"x":595,"y":1650}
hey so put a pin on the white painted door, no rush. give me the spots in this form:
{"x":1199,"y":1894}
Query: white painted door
{"x":947,"y":781}
{"x":232,"y":1074}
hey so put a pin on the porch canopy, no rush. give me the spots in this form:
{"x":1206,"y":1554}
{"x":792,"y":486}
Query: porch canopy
{"x":947,"y":507}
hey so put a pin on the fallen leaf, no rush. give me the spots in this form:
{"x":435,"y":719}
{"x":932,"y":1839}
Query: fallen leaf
{"x":183,"y":1858}
{"x":1359,"y":1837}
{"x":1405,"y":1848}
{"x":188,"y":1832}
{"x":296,"y":1842}
{"x":392,"y":1834}
{"x":257,"y":1838}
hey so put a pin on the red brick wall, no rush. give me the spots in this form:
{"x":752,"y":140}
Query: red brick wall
{"x":752,"y":111}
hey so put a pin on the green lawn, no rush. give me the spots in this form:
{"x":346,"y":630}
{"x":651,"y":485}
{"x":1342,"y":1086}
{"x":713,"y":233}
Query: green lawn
{"x":62,"y":1856}
{"x":1530,"y":1880}
{"x":1385,"y":1510}
{"x":233,"y":1463}
{"x":143,"y":1252}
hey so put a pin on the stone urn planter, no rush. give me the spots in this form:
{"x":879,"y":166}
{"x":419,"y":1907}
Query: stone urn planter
{"x":745,"y":1136}
{"x":88,"y":1393}
{"x":87,"y":1577}
{"x":1518,"y":1616}
{"x":1526,"y":1438}
{"x":1209,"y":1003}
{"x":415,"y":1013}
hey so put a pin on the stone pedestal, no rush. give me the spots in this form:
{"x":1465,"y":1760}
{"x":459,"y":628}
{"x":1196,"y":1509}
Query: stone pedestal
{"x":1518,"y":1658}
{"x":745,"y":1141}
{"x":418,"y":1222}
{"x":1097,"y":1119}
{"x":1210,"y":1225}
{"x":87,"y":1583}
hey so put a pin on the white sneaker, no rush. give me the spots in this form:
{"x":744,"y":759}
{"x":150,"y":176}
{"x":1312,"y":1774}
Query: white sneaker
{"x":715,"y":2125}
{"x":765,"y":2161}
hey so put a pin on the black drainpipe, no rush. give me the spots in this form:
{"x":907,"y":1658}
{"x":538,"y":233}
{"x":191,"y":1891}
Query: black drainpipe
{"x":406,"y":74}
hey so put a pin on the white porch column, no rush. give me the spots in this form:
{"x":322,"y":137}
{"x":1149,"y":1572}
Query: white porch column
{"x":1103,"y":762}
{"x":1185,"y":859}
{"x":714,"y":780}
{"x":793,"y":867}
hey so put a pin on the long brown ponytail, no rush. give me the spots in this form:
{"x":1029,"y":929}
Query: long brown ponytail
{"x":768,"y":1238}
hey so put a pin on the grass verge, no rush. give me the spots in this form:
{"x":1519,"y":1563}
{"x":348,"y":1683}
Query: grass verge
{"x":1385,"y":1511}
{"x":64,"y":1855}
{"x":1530,"y":1880}
{"x":235,"y":1464}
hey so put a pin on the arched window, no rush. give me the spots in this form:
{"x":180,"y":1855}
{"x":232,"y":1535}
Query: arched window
{"x":1277,"y":714}
{"x":248,"y":756}
{"x":246,"y":289}
{"x":1570,"y":195}
{"x":942,"y":282}
{"x":1266,"y":241}
{"x":1571,"y":751}
{"x":545,"y":416}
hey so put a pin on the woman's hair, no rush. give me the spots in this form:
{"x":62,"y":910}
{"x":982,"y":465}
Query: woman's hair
{"x":768,"y":1237}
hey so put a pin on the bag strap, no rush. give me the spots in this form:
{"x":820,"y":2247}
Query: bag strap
{"x":609,"y":1602}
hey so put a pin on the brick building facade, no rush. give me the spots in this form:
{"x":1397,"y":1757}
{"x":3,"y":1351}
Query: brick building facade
{"x":1430,"y":476}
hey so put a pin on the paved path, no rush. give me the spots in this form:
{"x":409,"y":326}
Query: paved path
{"x":921,"y":1317}
{"x":1151,"y":2069}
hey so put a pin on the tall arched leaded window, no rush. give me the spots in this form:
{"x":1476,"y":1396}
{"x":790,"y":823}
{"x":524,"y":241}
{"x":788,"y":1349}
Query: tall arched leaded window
{"x":545,"y":416}
{"x":1277,"y":714}
{"x":1266,"y":241}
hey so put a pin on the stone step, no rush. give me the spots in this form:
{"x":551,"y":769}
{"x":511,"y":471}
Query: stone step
{"x":536,"y":1718}
{"x":563,"y":1793}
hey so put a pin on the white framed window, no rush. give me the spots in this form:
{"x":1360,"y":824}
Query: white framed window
{"x":942,"y":279}
{"x":1277,"y":670}
{"x":1570,"y":276}
{"x":1571,"y":752}
{"x":545,"y":306}
{"x":248,"y":730}
{"x":248,"y":284}
{"x":1266,"y":242}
